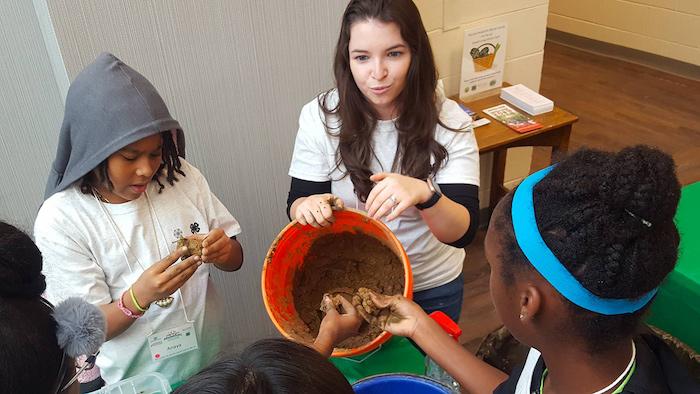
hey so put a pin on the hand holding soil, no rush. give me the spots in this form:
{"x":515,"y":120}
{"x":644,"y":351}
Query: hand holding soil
{"x":341,"y":319}
{"x":378,"y":310}
{"x":375,"y":316}
{"x":217,"y":247}
{"x":163,"y":278}
{"x":193,"y":245}
{"x":404,"y":314}
{"x":338,"y":265}
{"x":317,"y":210}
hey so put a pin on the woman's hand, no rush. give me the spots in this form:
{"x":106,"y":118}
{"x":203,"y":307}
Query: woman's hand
{"x":164,"y":277}
{"x":317,"y":210}
{"x":394,"y":193}
{"x":405,"y":314}
{"x":336,"y":327}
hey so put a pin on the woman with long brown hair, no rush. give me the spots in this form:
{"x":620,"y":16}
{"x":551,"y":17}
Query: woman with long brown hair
{"x":385,"y":141}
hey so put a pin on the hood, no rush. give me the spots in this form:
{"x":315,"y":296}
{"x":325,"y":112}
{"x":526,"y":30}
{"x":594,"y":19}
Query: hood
{"x":109,"y":106}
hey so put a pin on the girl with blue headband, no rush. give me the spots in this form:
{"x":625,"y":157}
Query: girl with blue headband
{"x":576,"y":254}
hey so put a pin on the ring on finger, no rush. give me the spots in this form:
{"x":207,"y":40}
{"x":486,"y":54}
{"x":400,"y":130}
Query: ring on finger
{"x":393,"y":200}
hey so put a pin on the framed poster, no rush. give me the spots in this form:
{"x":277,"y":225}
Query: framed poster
{"x":483,"y":59}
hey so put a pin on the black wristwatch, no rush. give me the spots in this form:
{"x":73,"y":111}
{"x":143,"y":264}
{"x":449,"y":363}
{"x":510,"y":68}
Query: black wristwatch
{"x":434,"y":198}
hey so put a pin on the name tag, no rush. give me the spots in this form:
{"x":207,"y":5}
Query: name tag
{"x":172,"y":342}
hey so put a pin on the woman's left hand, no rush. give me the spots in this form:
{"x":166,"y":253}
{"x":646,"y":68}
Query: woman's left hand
{"x":217,"y":247}
{"x":394,"y":193}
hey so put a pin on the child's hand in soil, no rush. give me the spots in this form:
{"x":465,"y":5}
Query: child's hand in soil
{"x":317,"y":210}
{"x":404,"y":317}
{"x":336,"y":327}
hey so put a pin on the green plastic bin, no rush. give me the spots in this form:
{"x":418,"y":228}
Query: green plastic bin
{"x":395,"y":355}
{"x":676,"y":309}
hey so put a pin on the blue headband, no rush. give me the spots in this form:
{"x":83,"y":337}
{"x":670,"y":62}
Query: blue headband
{"x":546,"y":263}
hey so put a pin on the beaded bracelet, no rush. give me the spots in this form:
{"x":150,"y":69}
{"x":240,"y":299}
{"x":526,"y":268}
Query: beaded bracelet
{"x":125,"y":310}
{"x":136,"y":303}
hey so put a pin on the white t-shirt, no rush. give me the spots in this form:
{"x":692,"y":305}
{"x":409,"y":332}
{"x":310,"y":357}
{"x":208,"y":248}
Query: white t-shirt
{"x":433,"y":262}
{"x":85,"y":257}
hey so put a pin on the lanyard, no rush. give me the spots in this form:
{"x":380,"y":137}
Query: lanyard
{"x":624,"y":377}
{"x":125,"y":247}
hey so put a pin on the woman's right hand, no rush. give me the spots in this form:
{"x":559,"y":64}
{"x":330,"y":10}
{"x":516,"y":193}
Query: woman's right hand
{"x":164,"y":277}
{"x":317,"y":210}
{"x":405,"y":314}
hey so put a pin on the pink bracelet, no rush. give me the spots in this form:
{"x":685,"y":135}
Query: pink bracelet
{"x":125,"y":310}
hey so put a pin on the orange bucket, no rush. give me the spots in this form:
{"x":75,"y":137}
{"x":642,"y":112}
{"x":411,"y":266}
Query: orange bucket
{"x":286,"y":255}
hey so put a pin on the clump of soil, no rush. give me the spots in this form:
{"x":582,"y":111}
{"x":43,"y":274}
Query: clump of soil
{"x":365,"y":306}
{"x":194,"y":247}
{"x":340,"y":264}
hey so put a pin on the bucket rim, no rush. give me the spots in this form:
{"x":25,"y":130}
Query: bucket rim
{"x":401,"y":374}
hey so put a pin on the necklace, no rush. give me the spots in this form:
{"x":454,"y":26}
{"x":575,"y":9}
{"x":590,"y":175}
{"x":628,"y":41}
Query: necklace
{"x":625,"y":375}
{"x":99,"y":195}
{"x":163,"y":302}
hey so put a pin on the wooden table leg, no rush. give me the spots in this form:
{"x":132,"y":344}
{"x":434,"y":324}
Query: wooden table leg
{"x":497,"y":177}
{"x":559,"y":141}
{"x":560,"y":150}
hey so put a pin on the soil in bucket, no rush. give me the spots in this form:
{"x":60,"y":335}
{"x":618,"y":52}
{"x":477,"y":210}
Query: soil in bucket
{"x":340,"y":264}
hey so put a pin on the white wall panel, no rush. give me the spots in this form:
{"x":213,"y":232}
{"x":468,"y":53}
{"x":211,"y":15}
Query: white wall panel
{"x":31,"y":111}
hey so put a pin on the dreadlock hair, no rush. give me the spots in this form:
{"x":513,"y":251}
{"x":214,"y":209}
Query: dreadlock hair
{"x":608,"y":217}
{"x":417,"y":103}
{"x":171,"y":163}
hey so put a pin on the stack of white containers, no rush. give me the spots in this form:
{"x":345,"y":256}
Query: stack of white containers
{"x":526,"y":99}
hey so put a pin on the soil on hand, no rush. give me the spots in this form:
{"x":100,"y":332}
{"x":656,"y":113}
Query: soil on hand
{"x":363,"y":303}
{"x":340,"y":264}
{"x":194,"y":247}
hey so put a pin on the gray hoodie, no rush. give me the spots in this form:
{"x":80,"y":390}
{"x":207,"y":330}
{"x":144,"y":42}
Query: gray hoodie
{"x":109,"y":106}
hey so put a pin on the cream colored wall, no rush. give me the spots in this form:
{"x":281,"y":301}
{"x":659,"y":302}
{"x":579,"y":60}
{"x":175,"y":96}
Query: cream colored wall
{"x":669,"y":28}
{"x":446,"y":20}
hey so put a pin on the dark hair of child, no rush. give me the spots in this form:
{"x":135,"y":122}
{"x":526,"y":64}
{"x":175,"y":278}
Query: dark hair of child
{"x":31,"y":357}
{"x":609,"y":219}
{"x":269,"y":366}
{"x":171,"y":163}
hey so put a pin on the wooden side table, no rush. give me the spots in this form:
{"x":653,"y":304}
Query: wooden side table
{"x":497,"y":138}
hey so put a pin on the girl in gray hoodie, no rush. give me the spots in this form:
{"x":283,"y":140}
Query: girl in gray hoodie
{"x":119,"y":196}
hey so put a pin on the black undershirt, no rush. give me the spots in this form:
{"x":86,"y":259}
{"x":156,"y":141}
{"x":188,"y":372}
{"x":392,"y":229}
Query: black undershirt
{"x":463,"y":194}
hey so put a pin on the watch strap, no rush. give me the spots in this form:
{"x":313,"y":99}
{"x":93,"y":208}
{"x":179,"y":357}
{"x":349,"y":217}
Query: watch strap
{"x":433,"y":199}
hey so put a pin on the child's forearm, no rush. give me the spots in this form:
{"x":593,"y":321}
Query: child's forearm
{"x":324,"y":345}
{"x":474,"y":375}
{"x":116,"y":321}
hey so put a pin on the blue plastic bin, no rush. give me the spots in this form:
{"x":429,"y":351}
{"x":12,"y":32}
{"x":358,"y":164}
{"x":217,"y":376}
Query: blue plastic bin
{"x":399,"y":383}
